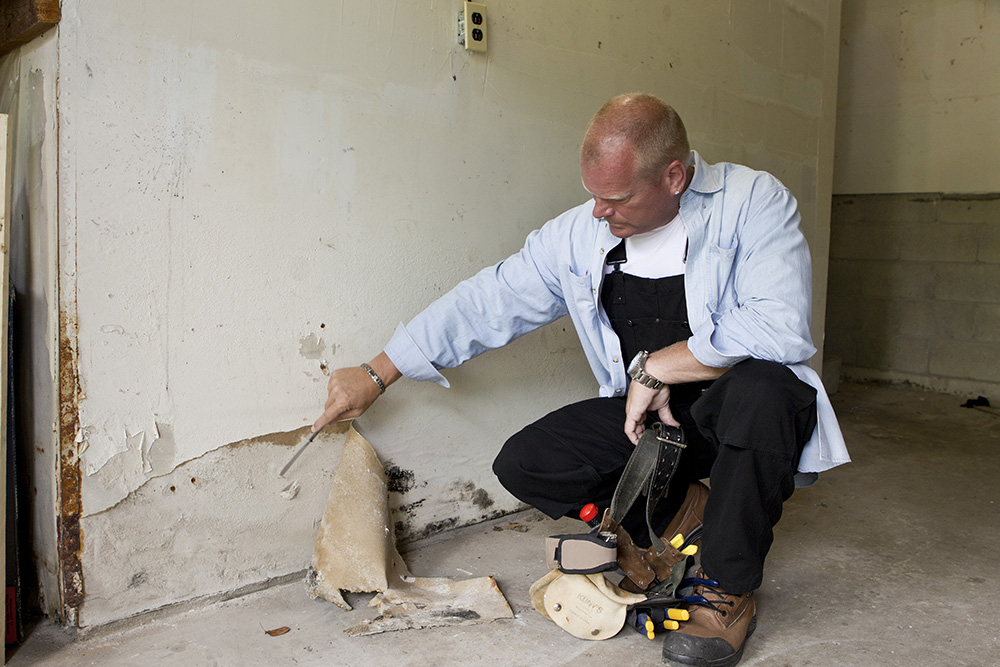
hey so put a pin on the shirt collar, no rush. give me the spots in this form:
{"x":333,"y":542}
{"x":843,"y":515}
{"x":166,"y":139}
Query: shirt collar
{"x":706,"y":179}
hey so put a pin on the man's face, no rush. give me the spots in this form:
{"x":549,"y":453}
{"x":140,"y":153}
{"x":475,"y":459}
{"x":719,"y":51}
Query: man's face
{"x":629,"y":205}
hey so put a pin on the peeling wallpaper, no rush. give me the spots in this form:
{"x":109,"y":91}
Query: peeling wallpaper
{"x":254,"y":193}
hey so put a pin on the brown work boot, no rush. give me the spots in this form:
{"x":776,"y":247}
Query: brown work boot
{"x":719,"y":626}
{"x":644,"y":568}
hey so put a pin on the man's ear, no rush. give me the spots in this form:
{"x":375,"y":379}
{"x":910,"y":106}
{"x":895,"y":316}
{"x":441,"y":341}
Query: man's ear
{"x":674,"y":177}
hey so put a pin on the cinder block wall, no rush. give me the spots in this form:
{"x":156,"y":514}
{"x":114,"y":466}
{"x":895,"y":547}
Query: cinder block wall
{"x":914,"y":290}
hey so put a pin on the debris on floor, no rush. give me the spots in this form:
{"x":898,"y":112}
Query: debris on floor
{"x":973,"y":402}
{"x":982,"y":404}
{"x":519,"y":527}
{"x":356,"y":552}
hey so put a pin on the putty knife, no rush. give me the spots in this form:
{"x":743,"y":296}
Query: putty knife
{"x":298,"y":451}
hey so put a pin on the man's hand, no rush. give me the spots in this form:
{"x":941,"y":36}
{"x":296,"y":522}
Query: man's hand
{"x":673,"y":365}
{"x":642,"y":399}
{"x":351,"y":391}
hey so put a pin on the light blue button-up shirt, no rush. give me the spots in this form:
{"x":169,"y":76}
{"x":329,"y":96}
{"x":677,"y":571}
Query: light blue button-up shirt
{"x":748,"y":284}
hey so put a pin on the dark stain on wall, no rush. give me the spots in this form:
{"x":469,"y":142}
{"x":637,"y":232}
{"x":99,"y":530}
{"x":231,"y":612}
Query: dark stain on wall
{"x":399,"y":480}
{"x":468,"y":492}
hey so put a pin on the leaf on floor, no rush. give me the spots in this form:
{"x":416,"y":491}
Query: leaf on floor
{"x":277,"y":632}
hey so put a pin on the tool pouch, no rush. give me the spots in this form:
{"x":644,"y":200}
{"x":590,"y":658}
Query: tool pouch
{"x":660,"y":567}
{"x":582,"y":553}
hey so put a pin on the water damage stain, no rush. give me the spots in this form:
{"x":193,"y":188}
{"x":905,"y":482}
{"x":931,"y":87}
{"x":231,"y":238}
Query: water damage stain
{"x":399,"y":480}
{"x":468,"y":492}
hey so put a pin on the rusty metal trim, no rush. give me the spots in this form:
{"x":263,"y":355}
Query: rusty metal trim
{"x":68,"y":531}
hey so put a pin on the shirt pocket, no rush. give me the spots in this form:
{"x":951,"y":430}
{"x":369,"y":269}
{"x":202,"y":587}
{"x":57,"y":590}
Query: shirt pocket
{"x":581,"y":299}
{"x":721,"y":272}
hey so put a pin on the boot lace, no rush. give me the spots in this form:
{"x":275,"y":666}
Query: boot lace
{"x":707,"y":593}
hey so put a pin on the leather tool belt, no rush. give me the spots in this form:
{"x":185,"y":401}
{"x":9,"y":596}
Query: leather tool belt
{"x":607,"y":547}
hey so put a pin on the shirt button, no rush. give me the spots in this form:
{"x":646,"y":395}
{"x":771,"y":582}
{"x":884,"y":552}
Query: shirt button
{"x":602,"y":251}
{"x":615,"y":360}
{"x":618,"y":391}
{"x":594,"y":291}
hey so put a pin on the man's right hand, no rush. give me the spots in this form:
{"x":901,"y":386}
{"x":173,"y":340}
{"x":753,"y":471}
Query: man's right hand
{"x":351,"y":391}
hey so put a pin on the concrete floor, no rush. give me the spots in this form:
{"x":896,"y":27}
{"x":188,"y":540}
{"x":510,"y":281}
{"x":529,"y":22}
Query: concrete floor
{"x":890,"y":561}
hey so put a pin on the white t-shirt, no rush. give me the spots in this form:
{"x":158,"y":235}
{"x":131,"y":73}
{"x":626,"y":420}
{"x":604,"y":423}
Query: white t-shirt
{"x":656,"y":254}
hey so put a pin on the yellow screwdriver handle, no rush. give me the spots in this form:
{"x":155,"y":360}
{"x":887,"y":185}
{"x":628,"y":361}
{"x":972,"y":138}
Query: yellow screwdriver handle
{"x":678,"y":615}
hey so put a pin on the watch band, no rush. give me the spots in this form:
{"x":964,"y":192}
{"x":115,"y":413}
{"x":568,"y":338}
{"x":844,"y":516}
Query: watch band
{"x":374,"y":376}
{"x":636,"y":371}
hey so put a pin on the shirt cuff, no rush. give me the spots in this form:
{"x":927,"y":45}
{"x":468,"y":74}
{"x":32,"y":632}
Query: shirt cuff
{"x":410,"y":360}
{"x":700,"y":345}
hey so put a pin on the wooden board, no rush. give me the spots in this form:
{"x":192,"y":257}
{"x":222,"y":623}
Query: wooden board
{"x":23,"y":20}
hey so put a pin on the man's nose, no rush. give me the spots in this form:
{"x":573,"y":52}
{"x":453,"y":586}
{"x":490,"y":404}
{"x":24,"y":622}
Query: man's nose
{"x":602,"y":209}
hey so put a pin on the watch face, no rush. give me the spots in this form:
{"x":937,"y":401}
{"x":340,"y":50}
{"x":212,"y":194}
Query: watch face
{"x":638,"y":362}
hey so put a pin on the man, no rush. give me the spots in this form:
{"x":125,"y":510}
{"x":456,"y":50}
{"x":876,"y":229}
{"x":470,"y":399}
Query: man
{"x":699,"y":275}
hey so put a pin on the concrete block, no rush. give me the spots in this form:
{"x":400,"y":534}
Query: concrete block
{"x":898,"y":279}
{"x":885,"y":318}
{"x":968,"y":282}
{"x":842,"y":343}
{"x":846,"y":209}
{"x":941,"y":319}
{"x":865,"y":241}
{"x":901,"y":208}
{"x":897,"y":353}
{"x":934,"y":242}
{"x":843,"y":278}
{"x":974,"y":360}
{"x":952,"y":210}
{"x":989,"y":242}
{"x":879,"y":317}
{"x":843,"y":312}
{"x":986,"y":322}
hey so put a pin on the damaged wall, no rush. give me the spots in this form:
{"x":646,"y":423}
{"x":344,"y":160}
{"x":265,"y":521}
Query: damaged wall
{"x":252,"y":193}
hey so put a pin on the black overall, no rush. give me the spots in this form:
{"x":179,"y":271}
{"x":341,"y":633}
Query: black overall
{"x":745,"y":432}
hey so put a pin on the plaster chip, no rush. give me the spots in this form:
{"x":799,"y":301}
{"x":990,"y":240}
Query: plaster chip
{"x":356,"y":552}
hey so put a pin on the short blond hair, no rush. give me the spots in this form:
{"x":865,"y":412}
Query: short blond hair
{"x":645,"y":123}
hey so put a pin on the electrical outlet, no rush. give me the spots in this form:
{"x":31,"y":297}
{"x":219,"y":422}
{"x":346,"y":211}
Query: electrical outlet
{"x":472,"y":26}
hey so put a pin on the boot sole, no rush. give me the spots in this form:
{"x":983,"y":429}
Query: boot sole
{"x":725,"y":661}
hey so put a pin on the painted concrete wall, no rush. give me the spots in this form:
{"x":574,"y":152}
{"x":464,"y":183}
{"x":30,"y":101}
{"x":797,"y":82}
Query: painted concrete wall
{"x":28,"y":95}
{"x":914,"y":291}
{"x":919,"y":97}
{"x":251,"y":193}
{"x":915,"y":256}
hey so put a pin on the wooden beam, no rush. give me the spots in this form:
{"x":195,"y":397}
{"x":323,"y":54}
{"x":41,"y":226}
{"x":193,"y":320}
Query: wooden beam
{"x":23,"y":20}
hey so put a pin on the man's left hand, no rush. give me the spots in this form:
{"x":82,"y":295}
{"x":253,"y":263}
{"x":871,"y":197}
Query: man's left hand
{"x":641,"y":399}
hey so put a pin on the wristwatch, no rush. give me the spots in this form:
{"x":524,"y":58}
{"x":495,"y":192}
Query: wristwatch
{"x":636,"y":372}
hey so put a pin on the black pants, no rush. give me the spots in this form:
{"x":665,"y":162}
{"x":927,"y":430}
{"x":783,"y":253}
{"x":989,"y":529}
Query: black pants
{"x":745,"y":433}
